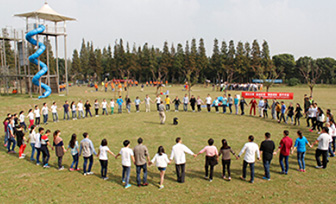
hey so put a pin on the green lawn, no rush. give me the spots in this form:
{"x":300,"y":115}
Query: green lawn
{"x":23,"y":181}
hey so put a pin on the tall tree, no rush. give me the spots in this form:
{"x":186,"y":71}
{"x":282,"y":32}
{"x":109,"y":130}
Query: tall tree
{"x":215,"y":61}
{"x":202,"y":59}
{"x":84,"y":59}
{"x":76,"y":71}
{"x":310,"y":71}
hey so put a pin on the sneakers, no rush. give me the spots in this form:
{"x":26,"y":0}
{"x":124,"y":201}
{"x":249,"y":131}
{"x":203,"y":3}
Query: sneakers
{"x":319,"y":167}
{"x":242,"y":178}
{"x":22,"y":157}
{"x":37,"y":164}
{"x":123,"y":181}
{"x":206,"y":178}
{"x":71,"y":169}
{"x":60,"y":169}
{"x":106,"y":178}
{"x":210,"y":180}
{"x":229,"y":179}
{"x":127,"y":186}
{"x":84,"y":174}
{"x":46,"y":166}
{"x":265,"y":178}
{"x":161,"y":187}
{"x":145,"y":184}
{"x":78,"y":169}
{"x":90,"y":173}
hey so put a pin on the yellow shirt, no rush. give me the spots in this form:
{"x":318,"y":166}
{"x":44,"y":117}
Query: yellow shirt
{"x":167,"y":100}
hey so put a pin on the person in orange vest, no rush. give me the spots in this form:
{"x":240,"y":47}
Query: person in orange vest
{"x":112,"y":86}
{"x":96,"y":86}
{"x":146,"y":83}
{"x":150,"y":83}
{"x":106,"y":86}
{"x":136,"y":83}
{"x":166,"y":82}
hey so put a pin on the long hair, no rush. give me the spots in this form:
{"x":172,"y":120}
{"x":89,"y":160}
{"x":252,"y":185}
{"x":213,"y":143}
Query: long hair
{"x":160,"y":150}
{"x":224,"y":144}
{"x":56,"y":133}
{"x":32,"y":128}
{"x":73,"y":140}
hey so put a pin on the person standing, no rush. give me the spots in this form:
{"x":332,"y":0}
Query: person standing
{"x":128,"y":104}
{"x":216,"y":104}
{"x":312,"y":112}
{"x":80,"y":109}
{"x":87,"y":149}
{"x":20,"y":141}
{"x":141,"y":157}
{"x":162,"y":113}
{"x":253,"y":104}
{"x":266,"y":107}
{"x":104,"y":106}
{"x":112,"y":106}
{"x":322,"y":149}
{"x":224,"y":103}
{"x":300,"y":145}
{"x":242,"y":104}
{"x":285,"y":147}
{"x":87,"y":107}
{"x":59,"y":148}
{"x":74,"y":149}
{"x":211,"y":158}
{"x":31,"y":119}
{"x":162,"y":162}
{"x":283,"y":111}
{"x":96,"y":107}
{"x":44,"y":149}
{"x":45,"y":113}
{"x":251,"y":149}
{"x":137,"y":103}
{"x":192,"y":103}
{"x":103,"y":159}
{"x":147,"y":102}
{"x":126,"y":156}
{"x":261,"y":107}
{"x":167,"y":100}
{"x":66,"y":110}
{"x":298,"y":114}
{"x":37,"y":115}
{"x":54,"y":112}
{"x":226,"y":158}
{"x":120,"y":103}
{"x":31,"y":139}
{"x":185,"y":103}
{"x":230,"y":102}
{"x":199,"y":104}
{"x":22,"y":119}
{"x":11,"y":136}
{"x":290,"y":113}
{"x":73,"y":110}
{"x":266,"y":150}
{"x":208,"y":102}
{"x":178,"y":154}
{"x":158,"y":101}
{"x":273,"y":112}
{"x":176,"y":102}
{"x":38,"y":144}
{"x":307,"y":105}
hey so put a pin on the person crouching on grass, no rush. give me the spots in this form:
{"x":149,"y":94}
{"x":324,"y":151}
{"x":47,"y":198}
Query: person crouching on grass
{"x":162,"y":162}
{"x":126,"y":155}
{"x":211,"y":158}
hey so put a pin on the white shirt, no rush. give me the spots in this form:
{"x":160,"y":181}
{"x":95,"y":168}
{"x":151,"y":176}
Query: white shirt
{"x":53,"y":109}
{"x":208,"y":100}
{"x":158,"y":100}
{"x":22,"y":117}
{"x":185,"y":100}
{"x":126,"y":154}
{"x":324,"y":140}
{"x":321,"y":118}
{"x":104,"y":104}
{"x":80,"y":106}
{"x":45,"y":110}
{"x":147,"y":100}
{"x":161,"y":160}
{"x":37,"y":140}
{"x":178,"y":152}
{"x":73,"y":107}
{"x":30,"y":116}
{"x":112,"y":104}
{"x":32,"y":137}
{"x":261,"y":103}
{"x":37,"y":113}
{"x":312,"y":112}
{"x":250,"y":149}
{"x":103,"y":152}
{"x":332,"y":130}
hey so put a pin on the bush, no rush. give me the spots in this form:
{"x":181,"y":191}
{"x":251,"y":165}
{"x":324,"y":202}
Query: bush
{"x":293,"y":82}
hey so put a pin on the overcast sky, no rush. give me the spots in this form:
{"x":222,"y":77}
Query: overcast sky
{"x":299,"y":27}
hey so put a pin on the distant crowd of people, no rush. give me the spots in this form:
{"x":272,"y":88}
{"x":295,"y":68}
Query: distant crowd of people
{"x":38,"y":138}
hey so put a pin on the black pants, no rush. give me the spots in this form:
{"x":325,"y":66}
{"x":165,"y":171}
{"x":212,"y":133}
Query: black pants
{"x":96,"y":109}
{"x":265,"y":114}
{"x":103,"y":164}
{"x":226,"y":163}
{"x":157,"y":106}
{"x":297,"y":120}
{"x":59,"y":161}
{"x":319,"y":125}
{"x":137,"y":107}
{"x":313,"y":121}
{"x":209,"y":162}
{"x":192,"y":107}
{"x":230,"y":107}
{"x":208,"y":107}
{"x":199,"y":108}
{"x":45,"y":154}
{"x":216,"y":107}
{"x":88,"y":112}
{"x":224,"y":108}
{"x":324,"y":154}
{"x":167,"y":107}
{"x":278,"y":115}
{"x":180,"y":172}
{"x":242,"y":109}
{"x":282,"y":116}
{"x":37,"y":121}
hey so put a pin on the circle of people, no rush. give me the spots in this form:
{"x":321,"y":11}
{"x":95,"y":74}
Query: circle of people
{"x":38,"y":139}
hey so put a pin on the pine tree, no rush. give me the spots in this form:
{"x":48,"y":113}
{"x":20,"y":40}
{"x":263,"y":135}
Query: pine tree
{"x":75,"y":71}
{"x":202,"y":59}
{"x":215,"y":61}
{"x":84,"y":59}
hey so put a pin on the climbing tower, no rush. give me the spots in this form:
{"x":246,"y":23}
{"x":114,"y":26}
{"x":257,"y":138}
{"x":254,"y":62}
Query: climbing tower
{"x":46,"y":23}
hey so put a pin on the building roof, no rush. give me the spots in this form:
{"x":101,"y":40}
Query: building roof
{"x":46,"y":13}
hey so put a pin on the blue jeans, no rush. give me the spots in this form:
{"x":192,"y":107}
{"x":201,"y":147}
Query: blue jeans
{"x":90,"y":158}
{"x":251,"y":168}
{"x":6,"y":138}
{"x":138,"y":171}
{"x":331,"y":153}
{"x":45,"y":119}
{"x":10,"y":141}
{"x":176,"y":107}
{"x":267,"y":164}
{"x":185,"y":107}
{"x":81,"y":114}
{"x":66,"y":114}
{"x":55,"y":117}
{"x":74,"y":114}
{"x":33,"y":151}
{"x":301,"y":161}
{"x":281,"y":163}
{"x":119,"y":108}
{"x":38,"y":152}
{"x":75,"y":161}
{"x":126,"y":174}
{"x":334,"y":143}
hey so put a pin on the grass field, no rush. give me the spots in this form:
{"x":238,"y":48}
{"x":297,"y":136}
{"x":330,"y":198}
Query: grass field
{"x":22,"y":181}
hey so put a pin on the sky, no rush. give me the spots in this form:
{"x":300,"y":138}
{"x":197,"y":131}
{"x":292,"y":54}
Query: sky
{"x":298,"y":27}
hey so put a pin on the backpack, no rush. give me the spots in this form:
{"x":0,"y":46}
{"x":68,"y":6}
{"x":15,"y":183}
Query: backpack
{"x":175,"y":121}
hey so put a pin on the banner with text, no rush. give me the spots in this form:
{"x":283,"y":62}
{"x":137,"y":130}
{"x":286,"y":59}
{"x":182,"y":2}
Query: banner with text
{"x":268,"y":95}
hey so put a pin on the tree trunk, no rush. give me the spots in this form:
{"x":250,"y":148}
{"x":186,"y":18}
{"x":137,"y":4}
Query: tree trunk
{"x":311,"y":90}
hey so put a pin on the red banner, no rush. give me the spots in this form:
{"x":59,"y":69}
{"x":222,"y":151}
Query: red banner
{"x":268,"y":95}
